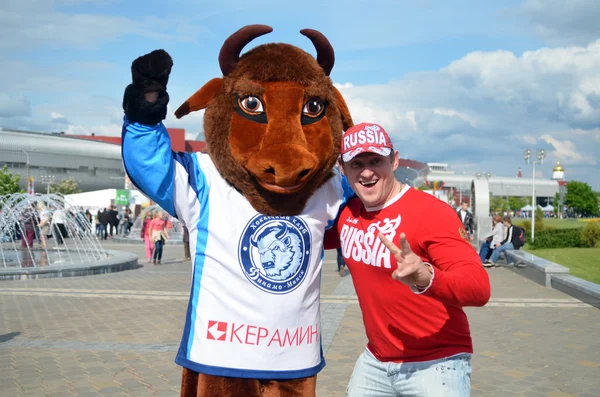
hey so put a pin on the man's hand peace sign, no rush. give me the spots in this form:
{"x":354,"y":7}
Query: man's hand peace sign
{"x":411,"y":269}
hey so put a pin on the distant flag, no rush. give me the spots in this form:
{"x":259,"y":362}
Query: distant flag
{"x":435,"y":185}
{"x":30,"y":186}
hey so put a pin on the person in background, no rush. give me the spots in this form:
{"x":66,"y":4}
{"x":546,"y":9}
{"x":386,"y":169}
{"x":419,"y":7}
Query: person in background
{"x":126,"y":222}
{"x":158,"y":234}
{"x":28,"y":222}
{"x":186,"y":244}
{"x":340,"y":263}
{"x":508,"y":244}
{"x":104,"y":219}
{"x":492,"y":239}
{"x":113,"y":220}
{"x":467,"y":219}
{"x":88,"y":216}
{"x":90,"y":220}
{"x":58,"y":226}
{"x":145,"y":235}
{"x":44,"y":225}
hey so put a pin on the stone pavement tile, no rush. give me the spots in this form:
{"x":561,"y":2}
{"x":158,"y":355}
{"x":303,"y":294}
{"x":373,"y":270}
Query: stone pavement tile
{"x":97,"y":345}
{"x":137,"y":376}
{"x":508,"y":360}
{"x":347,"y":345}
{"x":507,"y":283}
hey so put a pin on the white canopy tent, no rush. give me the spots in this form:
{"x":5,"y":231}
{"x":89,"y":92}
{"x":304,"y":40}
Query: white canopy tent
{"x":102,"y":199}
{"x":527,"y":208}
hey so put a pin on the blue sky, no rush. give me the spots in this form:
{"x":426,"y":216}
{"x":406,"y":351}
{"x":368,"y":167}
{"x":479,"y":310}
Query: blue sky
{"x":470,"y":83}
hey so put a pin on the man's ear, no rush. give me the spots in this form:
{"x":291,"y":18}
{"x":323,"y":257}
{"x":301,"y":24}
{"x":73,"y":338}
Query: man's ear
{"x":201,"y":98}
{"x":341,"y":104}
{"x":396,"y":160}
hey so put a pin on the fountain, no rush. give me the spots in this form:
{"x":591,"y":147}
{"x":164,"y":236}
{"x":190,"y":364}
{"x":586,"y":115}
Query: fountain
{"x":174,"y":227}
{"x":47,"y":236}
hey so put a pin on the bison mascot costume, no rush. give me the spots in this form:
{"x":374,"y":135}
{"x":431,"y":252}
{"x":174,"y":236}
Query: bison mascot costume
{"x":256,"y":205}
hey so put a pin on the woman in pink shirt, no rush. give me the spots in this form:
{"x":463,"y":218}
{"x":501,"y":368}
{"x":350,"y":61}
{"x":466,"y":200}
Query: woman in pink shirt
{"x":145,"y":234}
{"x":158,"y":234}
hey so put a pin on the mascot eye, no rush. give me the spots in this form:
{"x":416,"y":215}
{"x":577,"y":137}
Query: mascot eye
{"x":313,"y":107}
{"x":251,"y":105}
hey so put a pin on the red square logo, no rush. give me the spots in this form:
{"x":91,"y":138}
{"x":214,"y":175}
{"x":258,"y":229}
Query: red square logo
{"x":217,"y":330}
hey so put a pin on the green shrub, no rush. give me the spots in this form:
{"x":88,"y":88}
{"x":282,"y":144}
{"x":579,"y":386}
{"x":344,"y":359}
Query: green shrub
{"x":557,"y":238}
{"x":590,"y":235}
{"x":539,"y":220}
{"x":527,"y":226}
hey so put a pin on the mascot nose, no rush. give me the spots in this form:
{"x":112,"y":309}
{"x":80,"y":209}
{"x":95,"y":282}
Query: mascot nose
{"x":283,"y":165}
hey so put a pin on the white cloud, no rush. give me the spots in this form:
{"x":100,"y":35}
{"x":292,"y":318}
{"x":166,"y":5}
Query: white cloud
{"x":527,"y":139}
{"x":566,"y":150}
{"x":487,"y":107}
{"x":57,"y":118}
{"x":99,"y":130}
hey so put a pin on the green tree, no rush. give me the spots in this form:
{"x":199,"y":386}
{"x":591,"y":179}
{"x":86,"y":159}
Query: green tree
{"x":516,"y":203}
{"x":9,"y":183}
{"x":581,"y":198}
{"x":497,"y":203}
{"x":66,"y":186}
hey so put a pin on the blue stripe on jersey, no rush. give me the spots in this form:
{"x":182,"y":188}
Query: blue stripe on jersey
{"x":191,"y":167}
{"x":148,"y":161}
{"x":185,"y":348}
{"x":250,"y":373}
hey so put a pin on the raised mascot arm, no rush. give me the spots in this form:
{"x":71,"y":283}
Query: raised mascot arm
{"x":166,"y":177}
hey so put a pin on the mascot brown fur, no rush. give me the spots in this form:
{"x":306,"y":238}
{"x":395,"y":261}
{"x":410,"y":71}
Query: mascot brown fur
{"x":273,"y":126}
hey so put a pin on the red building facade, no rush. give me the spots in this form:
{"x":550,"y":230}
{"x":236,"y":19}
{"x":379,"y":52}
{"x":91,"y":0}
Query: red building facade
{"x":177,"y":135}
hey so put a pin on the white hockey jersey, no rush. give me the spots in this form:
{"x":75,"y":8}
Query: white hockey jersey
{"x":254,"y":302}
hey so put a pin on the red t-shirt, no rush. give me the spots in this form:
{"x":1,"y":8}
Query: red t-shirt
{"x":401,"y":325}
{"x":157,"y":224}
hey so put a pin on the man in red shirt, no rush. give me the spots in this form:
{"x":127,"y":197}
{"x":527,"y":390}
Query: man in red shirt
{"x":413,"y":270}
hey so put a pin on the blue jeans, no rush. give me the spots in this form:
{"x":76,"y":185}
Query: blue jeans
{"x":484,"y":251}
{"x":499,"y":250}
{"x":340,"y":259}
{"x":158,"y":249}
{"x":447,"y":377}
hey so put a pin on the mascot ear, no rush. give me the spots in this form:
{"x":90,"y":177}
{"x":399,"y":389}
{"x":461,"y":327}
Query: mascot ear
{"x":200,"y":99}
{"x":341,"y":104}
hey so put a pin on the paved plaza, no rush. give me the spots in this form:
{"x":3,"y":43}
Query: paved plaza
{"x":117,"y":334}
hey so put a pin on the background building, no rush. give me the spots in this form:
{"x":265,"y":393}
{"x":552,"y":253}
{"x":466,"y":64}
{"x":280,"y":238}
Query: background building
{"x":93,"y":161}
{"x":457,"y":185}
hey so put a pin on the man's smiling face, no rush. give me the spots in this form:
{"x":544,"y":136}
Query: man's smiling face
{"x":372,"y":177}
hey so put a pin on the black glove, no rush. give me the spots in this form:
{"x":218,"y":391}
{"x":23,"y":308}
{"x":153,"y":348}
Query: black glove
{"x":149,"y":73}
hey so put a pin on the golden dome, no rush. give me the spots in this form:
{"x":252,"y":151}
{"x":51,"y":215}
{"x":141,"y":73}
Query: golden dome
{"x":558,"y":167}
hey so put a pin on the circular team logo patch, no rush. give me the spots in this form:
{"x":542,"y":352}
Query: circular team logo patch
{"x":274,"y":252}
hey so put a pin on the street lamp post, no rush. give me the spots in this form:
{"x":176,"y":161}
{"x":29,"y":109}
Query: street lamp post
{"x":47,"y":180}
{"x":540,"y":160}
{"x":28,"y":174}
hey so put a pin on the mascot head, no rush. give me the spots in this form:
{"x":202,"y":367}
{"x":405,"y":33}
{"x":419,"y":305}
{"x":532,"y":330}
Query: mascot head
{"x":274,"y":121}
